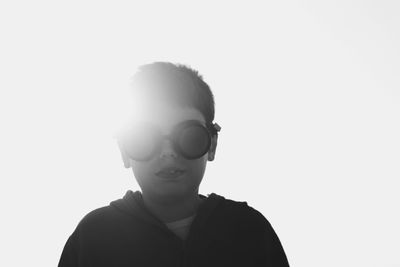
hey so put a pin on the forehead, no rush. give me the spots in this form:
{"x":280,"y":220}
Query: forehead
{"x":167,"y":116}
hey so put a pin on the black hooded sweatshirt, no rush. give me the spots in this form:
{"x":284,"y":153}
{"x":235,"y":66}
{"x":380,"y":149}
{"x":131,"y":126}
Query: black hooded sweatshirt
{"x":224,"y":232}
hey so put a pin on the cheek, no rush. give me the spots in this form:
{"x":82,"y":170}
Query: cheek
{"x":141,"y":170}
{"x":197,"y":167}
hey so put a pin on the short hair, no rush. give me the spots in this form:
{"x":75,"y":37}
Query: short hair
{"x":177,"y":84}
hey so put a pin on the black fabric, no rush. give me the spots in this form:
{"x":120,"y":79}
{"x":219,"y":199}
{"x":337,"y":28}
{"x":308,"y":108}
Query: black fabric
{"x":224,"y":232}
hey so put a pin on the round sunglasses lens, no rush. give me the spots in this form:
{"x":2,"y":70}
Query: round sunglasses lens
{"x":194,"y":141}
{"x":139,"y":142}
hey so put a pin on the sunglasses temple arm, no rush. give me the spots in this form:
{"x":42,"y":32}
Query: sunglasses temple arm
{"x":215,"y":128}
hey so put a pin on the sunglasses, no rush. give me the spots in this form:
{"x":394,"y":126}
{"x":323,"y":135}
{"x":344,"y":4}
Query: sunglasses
{"x":191,"y":139}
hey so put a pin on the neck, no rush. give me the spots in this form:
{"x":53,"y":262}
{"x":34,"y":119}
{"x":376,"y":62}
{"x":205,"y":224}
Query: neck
{"x":169,"y":210}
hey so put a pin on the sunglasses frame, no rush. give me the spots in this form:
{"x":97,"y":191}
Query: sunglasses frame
{"x":211,"y":129}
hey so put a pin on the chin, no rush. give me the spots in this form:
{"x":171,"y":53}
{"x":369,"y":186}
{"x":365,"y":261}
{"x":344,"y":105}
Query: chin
{"x":172,"y":192}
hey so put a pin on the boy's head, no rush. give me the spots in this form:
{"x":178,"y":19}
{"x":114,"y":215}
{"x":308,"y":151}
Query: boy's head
{"x":167,"y":97}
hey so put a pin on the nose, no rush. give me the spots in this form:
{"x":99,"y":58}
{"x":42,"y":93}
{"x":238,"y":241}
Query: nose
{"x":167,"y":149}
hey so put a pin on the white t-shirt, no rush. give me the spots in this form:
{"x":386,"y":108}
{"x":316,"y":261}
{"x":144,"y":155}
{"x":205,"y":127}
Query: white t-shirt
{"x":181,"y":227}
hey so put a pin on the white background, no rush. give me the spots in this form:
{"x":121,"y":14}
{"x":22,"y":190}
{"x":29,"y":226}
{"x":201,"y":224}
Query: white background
{"x":307,"y":94}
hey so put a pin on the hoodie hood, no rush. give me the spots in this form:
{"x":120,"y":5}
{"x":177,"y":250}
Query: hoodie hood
{"x":132,"y":205}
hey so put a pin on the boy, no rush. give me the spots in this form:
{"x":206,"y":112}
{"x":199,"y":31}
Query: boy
{"x":167,"y":142}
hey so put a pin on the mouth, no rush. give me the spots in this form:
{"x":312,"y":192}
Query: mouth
{"x":170,"y":173}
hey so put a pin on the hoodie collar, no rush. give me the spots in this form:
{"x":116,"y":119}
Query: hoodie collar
{"x":132,"y":205}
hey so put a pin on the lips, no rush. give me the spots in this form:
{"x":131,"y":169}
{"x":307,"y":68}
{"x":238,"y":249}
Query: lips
{"x":170,"y":172}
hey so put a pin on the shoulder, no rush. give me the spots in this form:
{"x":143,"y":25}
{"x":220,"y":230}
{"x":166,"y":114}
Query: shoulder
{"x":255,"y":230}
{"x":252,"y":225}
{"x":97,"y":218}
{"x":244,"y":214}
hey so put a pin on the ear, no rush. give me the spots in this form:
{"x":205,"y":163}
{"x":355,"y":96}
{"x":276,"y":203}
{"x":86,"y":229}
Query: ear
{"x":124,"y":156}
{"x":213,"y":148}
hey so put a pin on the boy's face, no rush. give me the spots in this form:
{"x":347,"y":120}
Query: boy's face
{"x":166,"y":117}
